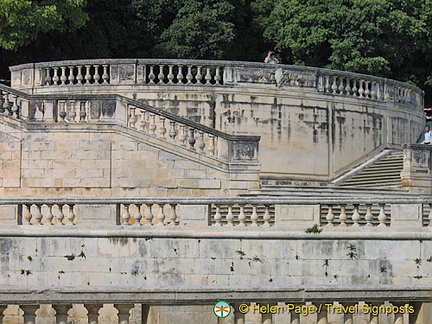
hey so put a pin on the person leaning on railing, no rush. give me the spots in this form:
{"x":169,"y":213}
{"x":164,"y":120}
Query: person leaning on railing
{"x":427,"y":135}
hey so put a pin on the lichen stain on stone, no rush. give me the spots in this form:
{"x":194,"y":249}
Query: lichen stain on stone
{"x":123,"y":241}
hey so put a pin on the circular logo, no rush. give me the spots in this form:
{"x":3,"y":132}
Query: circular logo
{"x":222,"y":309}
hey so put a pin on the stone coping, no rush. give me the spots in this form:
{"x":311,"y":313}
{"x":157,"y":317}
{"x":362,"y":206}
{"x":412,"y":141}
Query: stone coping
{"x":202,"y":295}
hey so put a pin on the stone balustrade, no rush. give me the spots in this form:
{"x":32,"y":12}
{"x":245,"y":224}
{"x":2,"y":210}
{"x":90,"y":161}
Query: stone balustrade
{"x":242,"y":311}
{"x":135,"y":115}
{"x":209,"y":73}
{"x":274,"y":213}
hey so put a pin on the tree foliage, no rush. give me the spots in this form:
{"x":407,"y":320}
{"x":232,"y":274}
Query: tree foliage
{"x":389,"y":38}
{"x":22,"y":21}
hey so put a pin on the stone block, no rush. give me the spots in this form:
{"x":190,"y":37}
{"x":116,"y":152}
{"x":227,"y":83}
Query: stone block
{"x":193,"y":215}
{"x":8,"y":214}
{"x":305,"y":215}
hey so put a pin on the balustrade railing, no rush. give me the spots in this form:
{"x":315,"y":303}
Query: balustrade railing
{"x":150,"y":121}
{"x":391,"y":312}
{"x":211,"y":73}
{"x":355,"y":215}
{"x":227,"y":212}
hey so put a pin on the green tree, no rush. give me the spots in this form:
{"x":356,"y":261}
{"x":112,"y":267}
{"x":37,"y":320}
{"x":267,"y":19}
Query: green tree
{"x":381,"y":37}
{"x":200,"y":29}
{"x":22,"y":21}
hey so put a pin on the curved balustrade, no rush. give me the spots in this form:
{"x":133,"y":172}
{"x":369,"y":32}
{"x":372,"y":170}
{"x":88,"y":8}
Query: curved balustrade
{"x":211,"y":73}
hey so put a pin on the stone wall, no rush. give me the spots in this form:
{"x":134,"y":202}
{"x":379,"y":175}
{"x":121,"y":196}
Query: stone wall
{"x":319,"y":122}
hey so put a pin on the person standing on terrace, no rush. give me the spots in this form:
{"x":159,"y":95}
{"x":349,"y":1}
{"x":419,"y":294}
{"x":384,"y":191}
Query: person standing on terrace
{"x":270,"y":58}
{"x":427,"y":135}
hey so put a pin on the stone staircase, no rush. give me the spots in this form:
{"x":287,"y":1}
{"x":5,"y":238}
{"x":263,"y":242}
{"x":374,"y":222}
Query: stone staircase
{"x":382,"y":173}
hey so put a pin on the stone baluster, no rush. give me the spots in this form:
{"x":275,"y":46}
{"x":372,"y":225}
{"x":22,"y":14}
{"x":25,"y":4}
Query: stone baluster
{"x":189,"y":75}
{"x":93,"y":312}
{"x":382,"y":216}
{"x":201,"y":144}
{"x":242,"y":216}
{"x":430,"y":215}
{"x":161,"y":215}
{"x":123,"y":312}
{"x":341,"y":87}
{"x":132,"y":117}
{"x":55,"y":77}
{"x":162,"y":128}
{"x":143,"y":123}
{"x":79,"y":77}
{"x":48,"y":79}
{"x":72,"y":111}
{"x":49,"y":215}
{"x":356,"y":216}
{"x":82,"y":113}
{"x":230,"y":216}
{"x":15,"y":107}
{"x":29,"y":313}
{"x":334,"y":85}
{"x":96,"y":76}
{"x":173,"y":215}
{"x":343,"y":216}
{"x":368,"y":216}
{"x":71,"y":77}
{"x":373,"y":89}
{"x":2,"y":309}
{"x":105,"y":75}
{"x":183,"y":135}
{"x":161,"y":75}
{"x":348,"y":87}
{"x":87,"y":76}
{"x":398,"y":318}
{"x":149,"y":215}
{"x":367,"y":91}
{"x":327,"y":84}
{"x":208,"y":76}
{"x":138,"y":216}
{"x":152,"y":127}
{"x":211,"y":147}
{"x":70,"y":214}
{"x":61,"y":312}
{"x":191,"y":139}
{"x":330,"y":217}
{"x":26,"y":214}
{"x":37,"y":216}
{"x":63,"y":77}
{"x":180,"y":75}
{"x":217,"y":77}
{"x":217,"y":216}
{"x":354,"y":89}
{"x":62,"y":110}
{"x":361,"y":90}
{"x":5,"y":106}
{"x":254,"y":216}
{"x":151,"y":76}
{"x":198,"y":76}
{"x":173,"y":132}
{"x":60,"y":216}
{"x":170,"y":74}
{"x":126,"y":215}
{"x":266,"y":216}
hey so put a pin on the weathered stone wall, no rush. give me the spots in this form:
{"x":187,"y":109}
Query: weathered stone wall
{"x":319,"y":123}
{"x":99,"y":161}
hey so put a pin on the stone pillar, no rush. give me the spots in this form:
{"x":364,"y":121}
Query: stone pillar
{"x":416,"y":172}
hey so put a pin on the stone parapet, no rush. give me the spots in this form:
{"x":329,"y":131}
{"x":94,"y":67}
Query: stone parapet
{"x":416,"y":173}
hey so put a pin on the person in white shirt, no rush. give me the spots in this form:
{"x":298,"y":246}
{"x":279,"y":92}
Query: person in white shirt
{"x":428,"y":135}
{"x":271,"y":59}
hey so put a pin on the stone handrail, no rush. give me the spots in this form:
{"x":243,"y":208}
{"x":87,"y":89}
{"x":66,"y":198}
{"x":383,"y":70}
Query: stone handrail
{"x":157,"y":123}
{"x":101,"y":72}
{"x":214,"y":212}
